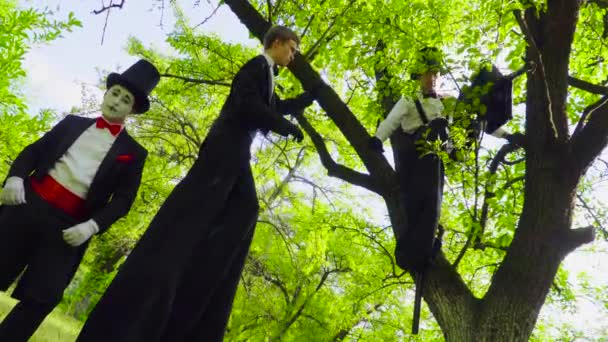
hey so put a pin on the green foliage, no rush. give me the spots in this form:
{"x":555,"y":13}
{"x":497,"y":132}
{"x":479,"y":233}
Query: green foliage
{"x":19,"y":130}
{"x":19,"y":30}
{"x":56,"y":327}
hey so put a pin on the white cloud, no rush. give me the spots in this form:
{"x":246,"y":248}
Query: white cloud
{"x":50,"y":85}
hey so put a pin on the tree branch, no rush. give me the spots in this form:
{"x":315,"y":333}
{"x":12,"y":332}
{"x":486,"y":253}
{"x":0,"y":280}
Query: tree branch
{"x":334,"y":169}
{"x":514,"y":162}
{"x":305,"y":31}
{"x":484,"y":245}
{"x":298,"y":313}
{"x":587,"y":86}
{"x":599,"y":3}
{"x":292,"y":171}
{"x":317,"y":44}
{"x":592,"y":213}
{"x":197,"y":81}
{"x":578,"y":237}
{"x":583,"y":119}
{"x":316,"y":320}
{"x":529,"y":37}
{"x":499,"y":158}
{"x":589,"y":141}
{"x":513,"y":181}
{"x":518,"y":72}
{"x":373,"y":239}
{"x":346,"y":330}
{"x":260,"y":271}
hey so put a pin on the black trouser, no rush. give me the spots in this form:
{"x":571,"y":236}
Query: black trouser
{"x":201,"y":315}
{"x":421,"y":178}
{"x":31,"y":239}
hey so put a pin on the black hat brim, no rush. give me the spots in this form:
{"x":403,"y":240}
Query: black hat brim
{"x":142,"y":103}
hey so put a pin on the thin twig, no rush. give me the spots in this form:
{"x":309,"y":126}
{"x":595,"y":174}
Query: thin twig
{"x":592,"y":213}
{"x":105,"y":26}
{"x":198,"y":81}
{"x":317,"y":44}
{"x":209,"y":17}
{"x":107,"y":8}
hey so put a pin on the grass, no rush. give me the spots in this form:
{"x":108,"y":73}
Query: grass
{"x":57,"y":327}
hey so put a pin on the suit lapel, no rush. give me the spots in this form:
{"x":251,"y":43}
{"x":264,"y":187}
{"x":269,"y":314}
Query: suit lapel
{"x":79,"y":126}
{"x":118,"y":147}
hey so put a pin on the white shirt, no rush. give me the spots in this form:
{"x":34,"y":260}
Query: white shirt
{"x":405,"y":113}
{"x":499,"y":132}
{"x":271,"y":78}
{"x":77,"y":167}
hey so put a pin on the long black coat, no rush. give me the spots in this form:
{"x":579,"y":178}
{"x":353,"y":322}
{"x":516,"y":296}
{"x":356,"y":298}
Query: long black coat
{"x":178,"y":284}
{"x":110,"y":196}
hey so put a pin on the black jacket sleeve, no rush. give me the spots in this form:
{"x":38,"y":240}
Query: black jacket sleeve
{"x":26,"y":161}
{"x":251,"y":102}
{"x":297,"y":104}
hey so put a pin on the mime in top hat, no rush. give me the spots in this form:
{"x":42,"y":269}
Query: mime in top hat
{"x":72,"y":183}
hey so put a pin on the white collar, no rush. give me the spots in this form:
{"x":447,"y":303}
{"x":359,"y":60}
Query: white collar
{"x":268,"y":59}
{"x":420,"y":95}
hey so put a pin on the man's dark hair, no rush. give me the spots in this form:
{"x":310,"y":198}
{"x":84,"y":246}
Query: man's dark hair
{"x":281,"y":33}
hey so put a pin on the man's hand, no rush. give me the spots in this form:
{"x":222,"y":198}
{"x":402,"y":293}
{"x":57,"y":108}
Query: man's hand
{"x":296,"y":133}
{"x":375,"y":144}
{"x":78,"y":234}
{"x":305,"y":99}
{"x":13,"y":192}
{"x":438,"y":130}
{"x":516,"y":139}
{"x":316,"y":89}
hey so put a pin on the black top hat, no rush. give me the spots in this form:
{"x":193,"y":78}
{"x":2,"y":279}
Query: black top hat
{"x":494,"y":91}
{"x":140,"y":78}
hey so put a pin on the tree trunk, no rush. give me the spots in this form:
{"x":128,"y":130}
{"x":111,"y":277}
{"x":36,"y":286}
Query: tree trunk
{"x":511,"y":306}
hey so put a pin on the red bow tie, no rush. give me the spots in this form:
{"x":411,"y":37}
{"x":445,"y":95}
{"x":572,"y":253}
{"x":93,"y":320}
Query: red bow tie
{"x":113,"y":128}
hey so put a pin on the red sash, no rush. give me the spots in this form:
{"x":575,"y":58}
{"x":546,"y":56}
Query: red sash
{"x":58,"y":196}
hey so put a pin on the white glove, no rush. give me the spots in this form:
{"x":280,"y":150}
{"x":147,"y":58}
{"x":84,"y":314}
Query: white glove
{"x":78,"y":234}
{"x":13,"y":192}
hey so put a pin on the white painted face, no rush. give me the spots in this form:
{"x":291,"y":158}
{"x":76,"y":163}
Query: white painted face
{"x":117,"y":104}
